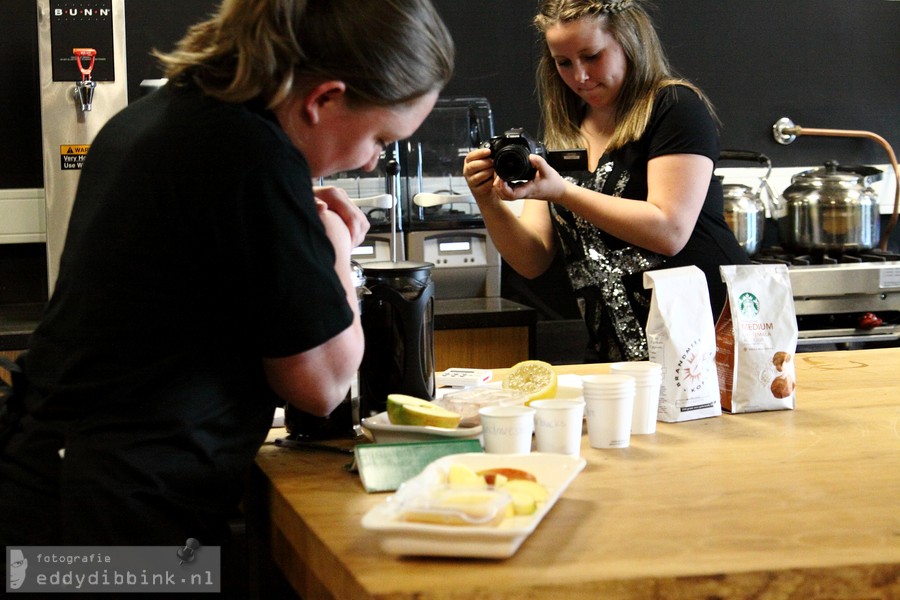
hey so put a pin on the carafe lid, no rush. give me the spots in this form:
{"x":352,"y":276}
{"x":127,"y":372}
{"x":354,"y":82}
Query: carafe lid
{"x":401,"y":267}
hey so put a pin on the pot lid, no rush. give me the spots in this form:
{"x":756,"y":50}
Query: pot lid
{"x":833,"y":172}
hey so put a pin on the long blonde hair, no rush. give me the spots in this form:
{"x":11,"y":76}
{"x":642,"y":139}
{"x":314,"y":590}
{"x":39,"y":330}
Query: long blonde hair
{"x":387,"y":52}
{"x":648,"y":71}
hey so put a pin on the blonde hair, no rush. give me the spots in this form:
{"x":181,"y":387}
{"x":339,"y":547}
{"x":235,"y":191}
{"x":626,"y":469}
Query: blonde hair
{"x":648,"y":71}
{"x":387,"y":52}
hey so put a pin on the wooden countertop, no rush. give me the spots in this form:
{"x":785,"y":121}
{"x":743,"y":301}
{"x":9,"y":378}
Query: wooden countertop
{"x":799,"y":504}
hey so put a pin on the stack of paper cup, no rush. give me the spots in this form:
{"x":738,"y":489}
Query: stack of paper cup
{"x":608,"y":403}
{"x":648,"y":377}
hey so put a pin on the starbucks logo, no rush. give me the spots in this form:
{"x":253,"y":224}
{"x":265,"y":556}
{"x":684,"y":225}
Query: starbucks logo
{"x":748,"y":304}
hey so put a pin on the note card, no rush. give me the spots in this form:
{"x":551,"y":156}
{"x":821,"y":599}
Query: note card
{"x":383,"y":467}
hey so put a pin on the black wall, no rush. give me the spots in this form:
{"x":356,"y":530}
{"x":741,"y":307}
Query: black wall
{"x":823,"y":63}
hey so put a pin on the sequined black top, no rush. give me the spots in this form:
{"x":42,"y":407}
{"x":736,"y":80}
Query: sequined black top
{"x":606,"y":273}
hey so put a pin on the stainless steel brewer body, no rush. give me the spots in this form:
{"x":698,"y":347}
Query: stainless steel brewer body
{"x":83,"y":84}
{"x":445,"y":223}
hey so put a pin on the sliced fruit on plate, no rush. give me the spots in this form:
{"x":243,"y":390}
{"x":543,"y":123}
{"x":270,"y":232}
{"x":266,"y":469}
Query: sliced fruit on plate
{"x":533,"y":377}
{"x":409,"y":410}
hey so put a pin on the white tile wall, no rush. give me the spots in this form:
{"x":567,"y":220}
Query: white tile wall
{"x":23,"y":217}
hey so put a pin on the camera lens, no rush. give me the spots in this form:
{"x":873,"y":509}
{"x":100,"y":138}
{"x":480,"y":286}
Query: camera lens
{"x":511,"y":163}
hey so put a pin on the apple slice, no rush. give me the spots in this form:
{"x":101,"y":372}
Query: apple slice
{"x":490,"y":475}
{"x":523,"y":503}
{"x":409,"y":410}
{"x":462,"y":476}
{"x":530,"y":488}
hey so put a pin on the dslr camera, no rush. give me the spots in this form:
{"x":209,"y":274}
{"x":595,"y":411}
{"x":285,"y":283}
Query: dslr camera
{"x":510,"y":153}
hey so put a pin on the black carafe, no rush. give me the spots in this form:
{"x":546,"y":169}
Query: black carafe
{"x":398,"y":323}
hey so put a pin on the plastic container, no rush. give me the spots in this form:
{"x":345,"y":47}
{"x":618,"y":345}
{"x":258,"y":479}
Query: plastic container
{"x":454,"y":506}
{"x":468,"y":402}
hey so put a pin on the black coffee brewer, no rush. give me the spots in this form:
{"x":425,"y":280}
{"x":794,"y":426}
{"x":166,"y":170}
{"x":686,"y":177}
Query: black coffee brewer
{"x":398,"y":323}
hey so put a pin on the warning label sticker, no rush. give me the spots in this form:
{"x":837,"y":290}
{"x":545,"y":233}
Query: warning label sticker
{"x":72,"y":156}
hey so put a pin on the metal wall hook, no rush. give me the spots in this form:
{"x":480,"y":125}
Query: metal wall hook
{"x":784,"y":131}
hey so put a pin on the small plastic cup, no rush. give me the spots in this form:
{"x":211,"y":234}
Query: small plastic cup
{"x":558,"y":426}
{"x":507,"y":429}
{"x":609,"y":405}
{"x":648,"y":377}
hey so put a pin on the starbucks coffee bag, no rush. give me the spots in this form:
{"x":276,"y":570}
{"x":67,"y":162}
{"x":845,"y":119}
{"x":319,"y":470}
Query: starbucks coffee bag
{"x":756,"y":339}
{"x":681,"y":337}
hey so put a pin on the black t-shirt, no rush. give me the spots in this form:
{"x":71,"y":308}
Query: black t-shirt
{"x":606,"y":272}
{"x":194,"y":249}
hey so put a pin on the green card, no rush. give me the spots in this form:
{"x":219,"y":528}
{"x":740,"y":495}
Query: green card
{"x":383,"y":467}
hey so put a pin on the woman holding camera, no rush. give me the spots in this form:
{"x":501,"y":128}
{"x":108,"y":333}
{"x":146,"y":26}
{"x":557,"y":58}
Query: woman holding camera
{"x":648,"y":200}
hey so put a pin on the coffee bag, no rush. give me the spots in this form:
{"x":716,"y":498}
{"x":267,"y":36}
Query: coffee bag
{"x":756,"y":339}
{"x":681,"y":337}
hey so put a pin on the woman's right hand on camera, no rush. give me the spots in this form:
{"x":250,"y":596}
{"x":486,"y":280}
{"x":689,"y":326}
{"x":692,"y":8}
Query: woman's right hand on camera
{"x":478,"y":169}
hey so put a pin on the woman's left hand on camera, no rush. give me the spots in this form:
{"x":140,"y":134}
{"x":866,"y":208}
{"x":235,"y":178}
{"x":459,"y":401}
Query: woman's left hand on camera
{"x":547,"y":184}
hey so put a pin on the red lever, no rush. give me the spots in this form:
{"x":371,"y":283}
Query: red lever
{"x":85,"y":53}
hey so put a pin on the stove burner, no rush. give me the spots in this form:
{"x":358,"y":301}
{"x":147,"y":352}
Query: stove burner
{"x":778,"y":256}
{"x":842,"y":298}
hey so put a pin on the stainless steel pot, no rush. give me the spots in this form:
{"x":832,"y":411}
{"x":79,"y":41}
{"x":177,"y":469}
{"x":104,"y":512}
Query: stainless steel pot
{"x":744,"y":208}
{"x":831,"y":209}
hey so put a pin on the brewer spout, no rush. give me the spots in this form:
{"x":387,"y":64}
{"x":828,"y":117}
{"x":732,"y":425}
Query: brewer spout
{"x":84,"y":94}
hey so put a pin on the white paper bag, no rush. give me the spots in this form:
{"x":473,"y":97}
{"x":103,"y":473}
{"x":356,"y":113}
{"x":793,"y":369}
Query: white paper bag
{"x":756,"y":338}
{"x":681,"y":336}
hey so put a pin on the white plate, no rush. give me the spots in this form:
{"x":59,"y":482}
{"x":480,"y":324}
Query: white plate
{"x":554,"y":471}
{"x":385,"y":432}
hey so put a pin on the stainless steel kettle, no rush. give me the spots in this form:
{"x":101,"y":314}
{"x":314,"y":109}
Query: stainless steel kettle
{"x":744,"y":207}
{"x":831,"y":209}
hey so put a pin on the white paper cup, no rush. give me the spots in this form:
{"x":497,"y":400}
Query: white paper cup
{"x":558,"y":426}
{"x":648,"y":377}
{"x":609,"y":405}
{"x":507,"y":429}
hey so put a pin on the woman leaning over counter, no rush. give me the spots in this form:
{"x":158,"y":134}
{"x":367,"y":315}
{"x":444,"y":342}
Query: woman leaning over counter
{"x":204,"y":279}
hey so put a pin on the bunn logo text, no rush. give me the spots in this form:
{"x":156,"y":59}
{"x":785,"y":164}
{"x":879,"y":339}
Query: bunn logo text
{"x":82,"y":12}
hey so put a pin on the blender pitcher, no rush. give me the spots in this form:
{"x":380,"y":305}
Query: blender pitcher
{"x":398,"y":324}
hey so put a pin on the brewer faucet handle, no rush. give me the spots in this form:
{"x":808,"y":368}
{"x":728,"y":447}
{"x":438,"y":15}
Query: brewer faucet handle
{"x":426,"y":199}
{"x":81,"y":53}
{"x":378,"y":201}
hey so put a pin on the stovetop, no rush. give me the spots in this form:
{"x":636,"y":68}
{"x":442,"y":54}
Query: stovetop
{"x":842,"y":298}
{"x":816,"y":275}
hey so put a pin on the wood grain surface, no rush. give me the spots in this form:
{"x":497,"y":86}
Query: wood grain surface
{"x":801,"y":504}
